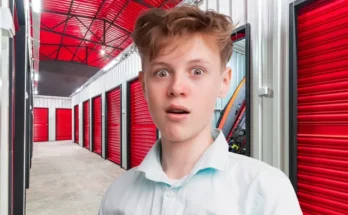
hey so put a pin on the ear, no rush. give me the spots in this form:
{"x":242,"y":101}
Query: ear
{"x":226,"y":81}
{"x":142,"y":82}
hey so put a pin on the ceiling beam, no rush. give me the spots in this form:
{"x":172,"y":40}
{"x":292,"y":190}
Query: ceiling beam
{"x":84,"y":36}
{"x":58,"y":24}
{"x":108,"y":56}
{"x":143,"y":3}
{"x":85,"y":17}
{"x":89,"y":29}
{"x":65,"y":46}
{"x":66,"y":24}
{"x":78,"y":38}
{"x":118,"y":14}
{"x":138,"y":1}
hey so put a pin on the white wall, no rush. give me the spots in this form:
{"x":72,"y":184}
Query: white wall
{"x":4,"y":105}
{"x":52,"y":102}
{"x":269,"y":68}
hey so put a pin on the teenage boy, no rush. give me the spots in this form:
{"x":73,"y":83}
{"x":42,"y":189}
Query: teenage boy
{"x":184,"y":52}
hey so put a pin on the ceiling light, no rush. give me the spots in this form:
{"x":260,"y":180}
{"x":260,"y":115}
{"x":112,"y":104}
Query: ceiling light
{"x":36,"y":6}
{"x":79,"y":89}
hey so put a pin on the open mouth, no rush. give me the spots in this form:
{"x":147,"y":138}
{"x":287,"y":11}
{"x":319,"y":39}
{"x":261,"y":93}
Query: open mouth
{"x":178,"y":110}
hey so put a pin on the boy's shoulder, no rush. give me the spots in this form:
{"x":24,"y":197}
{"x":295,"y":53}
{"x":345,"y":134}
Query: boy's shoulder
{"x":270,"y":187}
{"x":249,"y":169}
{"x":257,"y":176}
{"x":115,"y":194}
{"x":249,"y":165}
{"x":124,"y":180}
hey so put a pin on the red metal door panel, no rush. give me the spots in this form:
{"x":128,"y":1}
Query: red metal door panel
{"x":76,"y":124}
{"x":86,"y":124}
{"x":143,"y":131}
{"x":40,"y":124}
{"x":113,"y":136}
{"x":63,"y":124}
{"x":322,"y":139}
{"x":97,"y":125}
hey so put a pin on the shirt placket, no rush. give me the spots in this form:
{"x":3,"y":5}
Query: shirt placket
{"x":169,"y":199}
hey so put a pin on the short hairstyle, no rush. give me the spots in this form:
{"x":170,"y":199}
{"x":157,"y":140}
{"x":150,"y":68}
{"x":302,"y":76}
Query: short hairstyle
{"x":155,"y":26}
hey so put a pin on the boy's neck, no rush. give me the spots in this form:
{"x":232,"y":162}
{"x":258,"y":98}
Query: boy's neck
{"x":179,"y":158}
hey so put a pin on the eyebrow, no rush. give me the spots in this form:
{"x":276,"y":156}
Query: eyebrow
{"x":198,"y":60}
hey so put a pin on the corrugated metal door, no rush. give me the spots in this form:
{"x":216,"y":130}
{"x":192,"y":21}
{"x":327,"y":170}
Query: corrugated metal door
{"x":143,"y":132}
{"x":86,"y":124}
{"x":113,"y":136}
{"x":323,"y":108}
{"x":40,"y":124}
{"x":63,"y":124}
{"x":76,"y":124}
{"x":97,"y":125}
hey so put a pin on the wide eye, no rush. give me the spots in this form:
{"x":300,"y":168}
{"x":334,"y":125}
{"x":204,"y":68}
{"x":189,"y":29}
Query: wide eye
{"x":197,"y":71}
{"x":162,"y":73}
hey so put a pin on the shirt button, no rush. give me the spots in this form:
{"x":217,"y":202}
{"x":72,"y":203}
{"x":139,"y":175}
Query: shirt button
{"x":170,"y":194}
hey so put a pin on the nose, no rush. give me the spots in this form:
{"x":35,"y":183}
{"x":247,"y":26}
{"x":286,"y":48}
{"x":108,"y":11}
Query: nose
{"x":178,"y":85}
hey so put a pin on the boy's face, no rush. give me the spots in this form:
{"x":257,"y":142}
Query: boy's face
{"x":181,"y":86}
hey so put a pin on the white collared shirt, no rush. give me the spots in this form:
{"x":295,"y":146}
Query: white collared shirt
{"x":220,"y":183}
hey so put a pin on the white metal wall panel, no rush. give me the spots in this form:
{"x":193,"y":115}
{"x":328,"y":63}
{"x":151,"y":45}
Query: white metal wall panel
{"x":80,"y":124}
{"x":103,"y":125}
{"x":52,"y":103}
{"x":239,"y":11}
{"x":73,"y":122}
{"x":269,"y":65}
{"x":213,"y":4}
{"x":52,"y":124}
{"x":4,"y":109}
{"x":236,"y":9}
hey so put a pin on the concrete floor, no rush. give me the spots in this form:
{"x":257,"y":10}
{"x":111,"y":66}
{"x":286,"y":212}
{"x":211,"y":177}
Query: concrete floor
{"x":67,"y":179}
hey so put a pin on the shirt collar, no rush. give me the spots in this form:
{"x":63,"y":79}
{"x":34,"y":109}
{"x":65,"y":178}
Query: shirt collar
{"x":214,"y":157}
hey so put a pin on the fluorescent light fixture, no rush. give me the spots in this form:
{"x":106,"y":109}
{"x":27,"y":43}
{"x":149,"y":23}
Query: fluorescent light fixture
{"x":102,"y":52}
{"x":36,"y":6}
{"x":79,"y":89}
{"x":36,"y":76}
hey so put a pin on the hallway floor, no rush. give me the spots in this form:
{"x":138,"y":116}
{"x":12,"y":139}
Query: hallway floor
{"x":67,"y":179}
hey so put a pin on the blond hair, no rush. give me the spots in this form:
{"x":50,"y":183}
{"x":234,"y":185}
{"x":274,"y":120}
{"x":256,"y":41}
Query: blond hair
{"x":155,"y":26}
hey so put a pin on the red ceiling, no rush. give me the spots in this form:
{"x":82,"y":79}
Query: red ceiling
{"x":77,"y":30}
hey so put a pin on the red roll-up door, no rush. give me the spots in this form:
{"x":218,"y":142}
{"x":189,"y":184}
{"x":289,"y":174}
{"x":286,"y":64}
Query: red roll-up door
{"x":143,"y":131}
{"x":76,"y":124}
{"x":97,"y":125}
{"x":86,"y":124}
{"x":322,"y":139}
{"x":63,"y":124}
{"x":40,"y":124}
{"x":113,"y":136}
